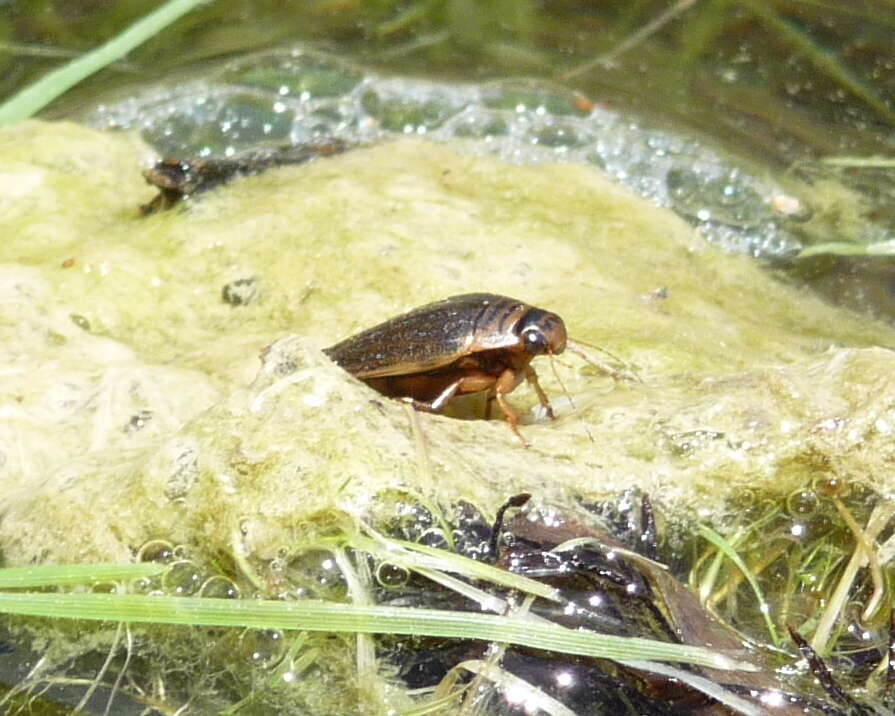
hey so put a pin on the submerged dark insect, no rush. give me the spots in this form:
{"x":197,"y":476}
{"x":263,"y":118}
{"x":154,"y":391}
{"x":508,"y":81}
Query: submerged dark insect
{"x":473,"y":343}
{"x":599,"y":557}
{"x":178,"y":179}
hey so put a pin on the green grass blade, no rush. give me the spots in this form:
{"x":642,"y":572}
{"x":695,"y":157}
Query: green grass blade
{"x":312,"y":615}
{"x":413,"y":555}
{"x":36,"y":96}
{"x":731,"y":554}
{"x":847,"y":248}
{"x":860,"y":162}
{"x":52,"y":575}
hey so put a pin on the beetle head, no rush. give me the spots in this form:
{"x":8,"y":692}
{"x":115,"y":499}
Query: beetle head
{"x":541,"y":332}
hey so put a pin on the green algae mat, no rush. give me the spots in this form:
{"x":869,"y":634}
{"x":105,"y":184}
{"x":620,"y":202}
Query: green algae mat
{"x":163,"y":376}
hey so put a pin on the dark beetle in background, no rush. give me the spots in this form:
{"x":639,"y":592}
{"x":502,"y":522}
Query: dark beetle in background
{"x":477,"y":342}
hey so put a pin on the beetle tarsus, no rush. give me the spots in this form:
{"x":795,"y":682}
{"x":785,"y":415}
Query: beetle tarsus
{"x":420,"y":405}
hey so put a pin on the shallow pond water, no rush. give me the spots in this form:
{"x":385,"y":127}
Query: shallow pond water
{"x":779,"y":89}
{"x":699,"y":119}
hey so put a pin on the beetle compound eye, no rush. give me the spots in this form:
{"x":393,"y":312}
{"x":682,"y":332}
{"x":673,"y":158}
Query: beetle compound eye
{"x":535,"y":341}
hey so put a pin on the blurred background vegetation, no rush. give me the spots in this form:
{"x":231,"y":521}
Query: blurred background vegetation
{"x":787,"y":78}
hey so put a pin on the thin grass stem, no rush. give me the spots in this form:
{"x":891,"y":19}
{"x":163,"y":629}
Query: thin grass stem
{"x":38,"y":95}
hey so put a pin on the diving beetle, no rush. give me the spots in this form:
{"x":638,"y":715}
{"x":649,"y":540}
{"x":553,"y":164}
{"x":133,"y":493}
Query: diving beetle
{"x":473,"y":343}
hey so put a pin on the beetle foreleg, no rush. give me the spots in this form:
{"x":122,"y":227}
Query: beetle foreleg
{"x":532,"y":378}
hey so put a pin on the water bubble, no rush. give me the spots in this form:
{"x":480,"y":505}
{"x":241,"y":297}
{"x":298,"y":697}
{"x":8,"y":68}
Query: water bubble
{"x":479,"y":125}
{"x":556,"y":136}
{"x":682,"y":185}
{"x":262,"y":648}
{"x":104,"y":588}
{"x":183,"y":579}
{"x":391,"y":576}
{"x":531,"y":96}
{"x":407,"y":114}
{"x":315,"y":570}
{"x":802,"y":503}
{"x":304,"y":75}
{"x":731,"y":194}
{"x":219,"y":587}
{"x":156,"y":550}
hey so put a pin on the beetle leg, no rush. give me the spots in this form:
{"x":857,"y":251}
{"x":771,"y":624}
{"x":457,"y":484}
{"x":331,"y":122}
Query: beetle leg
{"x":488,"y":405}
{"x":437,"y":405}
{"x":532,"y":378}
{"x":507,"y":381}
{"x":512,"y":418}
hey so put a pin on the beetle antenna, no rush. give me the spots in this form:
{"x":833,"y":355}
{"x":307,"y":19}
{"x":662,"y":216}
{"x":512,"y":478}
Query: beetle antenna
{"x":595,"y":347}
{"x":553,"y":361}
{"x":630,"y":374}
{"x":559,"y":380}
{"x":553,"y":356}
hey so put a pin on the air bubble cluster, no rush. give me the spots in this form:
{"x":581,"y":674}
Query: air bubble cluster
{"x":288,"y":97}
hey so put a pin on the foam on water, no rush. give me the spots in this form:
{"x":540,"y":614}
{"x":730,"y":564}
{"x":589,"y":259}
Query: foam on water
{"x":294,"y":96}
